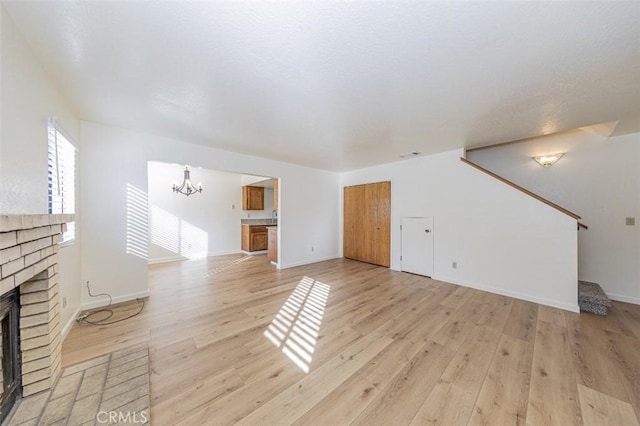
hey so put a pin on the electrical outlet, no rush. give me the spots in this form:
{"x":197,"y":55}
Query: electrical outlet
{"x":233,"y":206}
{"x":454,"y":265}
{"x":630,"y":221}
{"x":312,"y":248}
{"x":64,"y":301}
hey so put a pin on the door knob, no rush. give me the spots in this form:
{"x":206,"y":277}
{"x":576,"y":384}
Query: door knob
{"x":427,"y":230}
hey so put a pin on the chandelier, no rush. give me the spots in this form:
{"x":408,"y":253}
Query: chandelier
{"x":187,"y":188}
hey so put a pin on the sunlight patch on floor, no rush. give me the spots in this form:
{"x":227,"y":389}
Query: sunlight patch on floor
{"x":226,"y":266}
{"x":296,"y":326}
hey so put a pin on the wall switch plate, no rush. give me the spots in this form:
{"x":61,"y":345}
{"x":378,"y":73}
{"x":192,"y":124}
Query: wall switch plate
{"x":630,"y":221}
{"x":454,"y":265}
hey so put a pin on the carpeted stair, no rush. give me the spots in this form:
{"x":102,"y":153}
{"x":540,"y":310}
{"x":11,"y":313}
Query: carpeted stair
{"x":592,"y":299}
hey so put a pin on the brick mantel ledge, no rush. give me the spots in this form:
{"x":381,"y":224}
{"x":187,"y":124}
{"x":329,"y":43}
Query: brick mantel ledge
{"x":15,"y":222}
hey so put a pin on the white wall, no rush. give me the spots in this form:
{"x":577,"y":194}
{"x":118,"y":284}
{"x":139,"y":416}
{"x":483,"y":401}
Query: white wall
{"x":28,"y":100}
{"x":115,"y":185}
{"x":503,"y":240}
{"x":215,"y":213}
{"x":251,"y":179}
{"x":599,"y":179}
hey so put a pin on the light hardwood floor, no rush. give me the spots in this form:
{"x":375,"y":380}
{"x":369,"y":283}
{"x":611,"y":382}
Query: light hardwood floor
{"x":232,"y":339}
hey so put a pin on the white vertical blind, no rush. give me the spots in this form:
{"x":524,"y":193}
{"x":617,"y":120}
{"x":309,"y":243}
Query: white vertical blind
{"x":62,"y":177}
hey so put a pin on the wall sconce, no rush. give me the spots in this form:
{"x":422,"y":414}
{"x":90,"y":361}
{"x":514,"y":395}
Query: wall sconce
{"x":187,"y":188}
{"x":548,"y":160}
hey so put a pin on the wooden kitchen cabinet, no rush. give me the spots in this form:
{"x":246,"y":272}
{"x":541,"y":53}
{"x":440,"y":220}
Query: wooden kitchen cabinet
{"x":272,"y":253}
{"x":259,"y":241}
{"x":254,"y":238}
{"x":252,"y":198}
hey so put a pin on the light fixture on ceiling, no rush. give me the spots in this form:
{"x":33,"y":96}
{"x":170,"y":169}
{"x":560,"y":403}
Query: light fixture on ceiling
{"x":548,"y":159}
{"x":187,"y":188}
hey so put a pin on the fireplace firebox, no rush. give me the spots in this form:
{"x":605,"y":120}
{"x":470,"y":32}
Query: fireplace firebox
{"x":11,"y":374}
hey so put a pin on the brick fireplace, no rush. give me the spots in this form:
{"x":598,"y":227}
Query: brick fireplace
{"x":29,"y":263}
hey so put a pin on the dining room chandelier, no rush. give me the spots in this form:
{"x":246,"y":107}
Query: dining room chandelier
{"x":186,"y":188}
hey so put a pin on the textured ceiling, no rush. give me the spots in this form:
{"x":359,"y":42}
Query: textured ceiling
{"x":341,"y":85}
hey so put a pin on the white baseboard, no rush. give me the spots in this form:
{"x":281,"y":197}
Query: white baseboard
{"x":253,"y":253}
{"x":542,"y":301}
{"x":306,"y":262}
{"x":224,"y":252}
{"x":67,"y":327}
{"x":104,"y":301}
{"x":165,"y":259}
{"x":180,"y":258}
{"x":623,"y":298}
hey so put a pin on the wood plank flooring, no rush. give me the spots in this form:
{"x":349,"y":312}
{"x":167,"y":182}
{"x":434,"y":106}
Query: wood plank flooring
{"x":233,"y":340}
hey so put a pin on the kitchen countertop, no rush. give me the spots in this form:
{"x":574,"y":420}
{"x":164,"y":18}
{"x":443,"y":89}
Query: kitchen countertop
{"x":263,"y":222}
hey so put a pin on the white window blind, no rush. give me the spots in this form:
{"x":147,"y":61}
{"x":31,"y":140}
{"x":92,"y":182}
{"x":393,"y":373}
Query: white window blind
{"x":62,"y":177}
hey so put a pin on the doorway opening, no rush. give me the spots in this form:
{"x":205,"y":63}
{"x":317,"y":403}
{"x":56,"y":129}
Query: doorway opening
{"x":210,"y":222}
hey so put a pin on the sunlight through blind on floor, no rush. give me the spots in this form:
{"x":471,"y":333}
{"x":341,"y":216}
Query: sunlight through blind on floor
{"x":227,"y":266}
{"x":296,"y":326}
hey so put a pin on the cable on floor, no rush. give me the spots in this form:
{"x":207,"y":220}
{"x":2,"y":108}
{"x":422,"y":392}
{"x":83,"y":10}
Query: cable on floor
{"x":84,"y":318}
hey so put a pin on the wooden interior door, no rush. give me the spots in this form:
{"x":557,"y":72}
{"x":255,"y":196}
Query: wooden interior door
{"x":353,"y":241}
{"x":380,"y":223}
{"x":367,"y":223}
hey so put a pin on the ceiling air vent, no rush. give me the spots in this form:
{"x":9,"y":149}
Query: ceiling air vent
{"x":410,"y":154}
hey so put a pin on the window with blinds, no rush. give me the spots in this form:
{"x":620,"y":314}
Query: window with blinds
{"x":62,"y":178}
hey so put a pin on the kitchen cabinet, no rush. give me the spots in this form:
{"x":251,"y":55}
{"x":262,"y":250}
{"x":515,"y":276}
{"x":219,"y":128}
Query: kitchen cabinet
{"x":272,"y":251}
{"x":252,"y":198}
{"x":254,"y":238}
{"x":367,"y":223}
